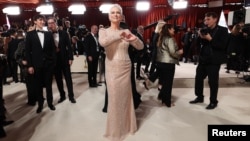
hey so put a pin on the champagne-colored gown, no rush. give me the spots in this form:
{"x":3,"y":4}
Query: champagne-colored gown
{"x":121,"y":118}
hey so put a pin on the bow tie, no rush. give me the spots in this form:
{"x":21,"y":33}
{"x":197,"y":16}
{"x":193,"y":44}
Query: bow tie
{"x":54,"y":32}
{"x":40,"y":31}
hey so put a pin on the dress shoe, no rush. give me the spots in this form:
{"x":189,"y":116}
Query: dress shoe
{"x":52,"y":107}
{"x":72,"y":100}
{"x":211,"y":106}
{"x":104,"y":110}
{"x":61,"y":100}
{"x":31,"y":103}
{"x":197,"y":100}
{"x":5,"y":123}
{"x":39,"y":110}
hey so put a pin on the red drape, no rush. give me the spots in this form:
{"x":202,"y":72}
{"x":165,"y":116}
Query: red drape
{"x":159,"y":10}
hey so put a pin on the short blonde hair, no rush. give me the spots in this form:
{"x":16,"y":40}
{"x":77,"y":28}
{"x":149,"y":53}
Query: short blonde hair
{"x":117,"y":6}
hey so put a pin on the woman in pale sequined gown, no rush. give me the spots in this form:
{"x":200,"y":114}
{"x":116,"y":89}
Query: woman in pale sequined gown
{"x":121,"y":118}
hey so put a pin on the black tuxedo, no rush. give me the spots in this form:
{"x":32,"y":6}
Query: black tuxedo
{"x":63,"y":55}
{"x":92,"y":49}
{"x":42,"y":59}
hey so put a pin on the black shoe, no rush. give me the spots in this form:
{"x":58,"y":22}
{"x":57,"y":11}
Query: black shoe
{"x":211,"y":106}
{"x":197,"y":100}
{"x":52,"y":107}
{"x":72,"y":100}
{"x":61,"y":100}
{"x":104,"y":110}
{"x":137,"y":103}
{"x":31,"y":103}
{"x":5,"y":123}
{"x":39,"y":110}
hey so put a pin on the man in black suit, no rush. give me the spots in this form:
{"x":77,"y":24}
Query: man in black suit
{"x":212,"y":54}
{"x":41,"y":56}
{"x":92,"y":54}
{"x":64,"y":59}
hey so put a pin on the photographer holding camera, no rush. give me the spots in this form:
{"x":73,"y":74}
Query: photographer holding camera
{"x":213,"y":41}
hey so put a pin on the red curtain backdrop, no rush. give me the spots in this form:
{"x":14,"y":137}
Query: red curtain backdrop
{"x":159,"y":10}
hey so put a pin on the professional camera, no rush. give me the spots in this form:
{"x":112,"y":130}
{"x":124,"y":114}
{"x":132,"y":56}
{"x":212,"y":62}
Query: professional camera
{"x":204,"y":31}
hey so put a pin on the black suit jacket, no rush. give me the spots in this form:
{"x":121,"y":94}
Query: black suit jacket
{"x":91,"y":46}
{"x":65,"y":47}
{"x":214,"y":51}
{"x":36,"y":55}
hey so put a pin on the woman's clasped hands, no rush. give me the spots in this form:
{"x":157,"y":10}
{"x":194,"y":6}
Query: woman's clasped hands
{"x":128,"y":37}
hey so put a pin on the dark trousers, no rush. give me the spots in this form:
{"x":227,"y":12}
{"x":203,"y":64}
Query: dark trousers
{"x":212,"y":72}
{"x":166,"y":74}
{"x":29,"y":81}
{"x":13,"y":69}
{"x":186,"y":52}
{"x":60,"y":71}
{"x":138,"y":66}
{"x":155,"y":75}
{"x":43,"y":78}
{"x":92,"y":71}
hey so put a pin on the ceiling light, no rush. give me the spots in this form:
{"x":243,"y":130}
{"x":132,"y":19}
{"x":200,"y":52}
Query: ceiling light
{"x":142,"y":6}
{"x":181,"y":4}
{"x":46,"y":9}
{"x":12,"y":10}
{"x":105,"y":8}
{"x":77,"y":9}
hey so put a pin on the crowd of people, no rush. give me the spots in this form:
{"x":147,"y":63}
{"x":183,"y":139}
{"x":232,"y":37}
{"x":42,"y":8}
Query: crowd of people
{"x":46,"y":53}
